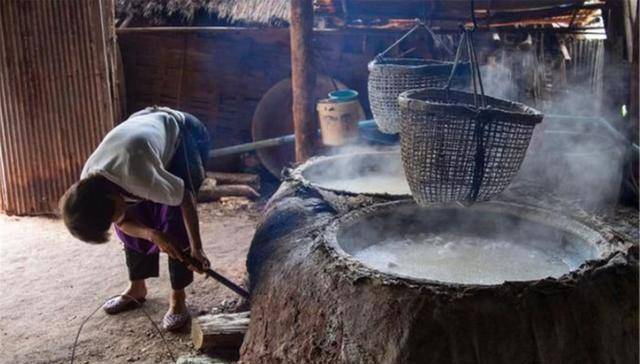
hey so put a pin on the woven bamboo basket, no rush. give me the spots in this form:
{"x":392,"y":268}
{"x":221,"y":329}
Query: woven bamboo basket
{"x":455,"y":151}
{"x":389,"y":77}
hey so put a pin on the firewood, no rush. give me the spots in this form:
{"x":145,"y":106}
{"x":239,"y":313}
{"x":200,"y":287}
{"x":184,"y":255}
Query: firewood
{"x":200,"y":359}
{"x":222,"y":178}
{"x":212,"y":192}
{"x":221,"y":331}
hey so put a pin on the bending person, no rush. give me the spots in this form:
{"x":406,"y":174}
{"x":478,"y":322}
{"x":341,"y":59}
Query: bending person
{"x":143,"y":178}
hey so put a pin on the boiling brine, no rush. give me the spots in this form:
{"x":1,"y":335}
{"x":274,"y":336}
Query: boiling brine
{"x":468,"y":260}
{"x":371,"y":184}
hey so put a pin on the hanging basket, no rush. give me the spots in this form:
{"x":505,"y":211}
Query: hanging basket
{"x":455,"y":151}
{"x":388,"y":77}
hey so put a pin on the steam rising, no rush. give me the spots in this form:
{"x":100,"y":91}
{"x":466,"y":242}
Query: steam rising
{"x":576,"y":159}
{"x":485,"y":244}
{"x":582,"y":167}
{"x":360,"y":170}
{"x":464,"y":259}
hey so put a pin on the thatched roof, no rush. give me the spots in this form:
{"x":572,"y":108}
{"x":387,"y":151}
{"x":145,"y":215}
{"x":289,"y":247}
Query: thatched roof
{"x":276,"y":12}
{"x":186,"y":12}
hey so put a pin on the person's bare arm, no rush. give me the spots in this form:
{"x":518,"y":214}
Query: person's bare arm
{"x":192,"y":224}
{"x":162,"y":240}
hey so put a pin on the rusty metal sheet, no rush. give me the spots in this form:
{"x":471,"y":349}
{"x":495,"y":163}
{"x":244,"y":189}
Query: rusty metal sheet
{"x":55,"y":97}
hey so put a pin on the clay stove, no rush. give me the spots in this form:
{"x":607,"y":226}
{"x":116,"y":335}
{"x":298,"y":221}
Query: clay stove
{"x":321,"y":292}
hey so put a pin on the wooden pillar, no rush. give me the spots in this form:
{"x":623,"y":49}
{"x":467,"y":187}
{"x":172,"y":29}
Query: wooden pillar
{"x":303,"y":78}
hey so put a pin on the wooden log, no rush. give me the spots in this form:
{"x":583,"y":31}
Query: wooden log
{"x":222,"y":178}
{"x":210,"y":191}
{"x":200,"y":359}
{"x":303,"y":78}
{"x":221,"y":331}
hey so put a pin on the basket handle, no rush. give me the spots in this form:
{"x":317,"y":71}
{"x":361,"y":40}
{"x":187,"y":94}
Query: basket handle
{"x":467,"y":39}
{"x":475,"y":70}
{"x":456,"y":60}
{"x":418,"y":25}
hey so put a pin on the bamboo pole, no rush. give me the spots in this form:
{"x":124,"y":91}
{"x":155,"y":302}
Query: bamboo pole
{"x":303,"y":78}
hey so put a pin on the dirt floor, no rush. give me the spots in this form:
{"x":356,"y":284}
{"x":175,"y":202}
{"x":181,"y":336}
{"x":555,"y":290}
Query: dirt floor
{"x":50,"y":282}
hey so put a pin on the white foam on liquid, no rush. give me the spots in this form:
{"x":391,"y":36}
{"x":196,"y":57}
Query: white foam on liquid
{"x":467,"y":260}
{"x":369,"y":184}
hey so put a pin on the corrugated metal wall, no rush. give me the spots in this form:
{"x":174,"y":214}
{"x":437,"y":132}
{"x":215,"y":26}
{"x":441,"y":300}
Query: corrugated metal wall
{"x":55,"y":97}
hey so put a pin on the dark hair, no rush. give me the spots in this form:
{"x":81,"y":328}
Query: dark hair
{"x":87,"y":209}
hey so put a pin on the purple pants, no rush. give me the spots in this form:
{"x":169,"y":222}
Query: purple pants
{"x":167,"y":219}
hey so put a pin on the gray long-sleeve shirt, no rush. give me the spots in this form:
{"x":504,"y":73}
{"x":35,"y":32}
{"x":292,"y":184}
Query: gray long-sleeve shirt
{"x":135,"y":156}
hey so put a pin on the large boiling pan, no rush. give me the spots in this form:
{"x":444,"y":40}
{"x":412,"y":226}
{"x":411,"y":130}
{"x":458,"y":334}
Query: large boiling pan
{"x":381,"y":172}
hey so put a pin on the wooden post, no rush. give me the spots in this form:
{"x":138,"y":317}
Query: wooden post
{"x":303,"y":78}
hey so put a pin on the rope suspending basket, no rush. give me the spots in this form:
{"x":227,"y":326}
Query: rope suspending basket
{"x":459,"y":146}
{"x":388,"y":77}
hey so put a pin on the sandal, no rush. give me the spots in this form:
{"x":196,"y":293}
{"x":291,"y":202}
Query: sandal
{"x":120,"y":304}
{"x":175,"y":321}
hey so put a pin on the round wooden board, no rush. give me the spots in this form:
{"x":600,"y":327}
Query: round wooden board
{"x":273,"y":118}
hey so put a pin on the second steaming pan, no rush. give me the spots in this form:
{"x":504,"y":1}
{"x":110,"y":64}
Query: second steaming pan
{"x":372,"y":173}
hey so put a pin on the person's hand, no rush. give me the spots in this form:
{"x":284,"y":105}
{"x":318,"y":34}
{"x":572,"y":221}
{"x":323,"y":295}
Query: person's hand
{"x":165,"y":244}
{"x":200,"y":256}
